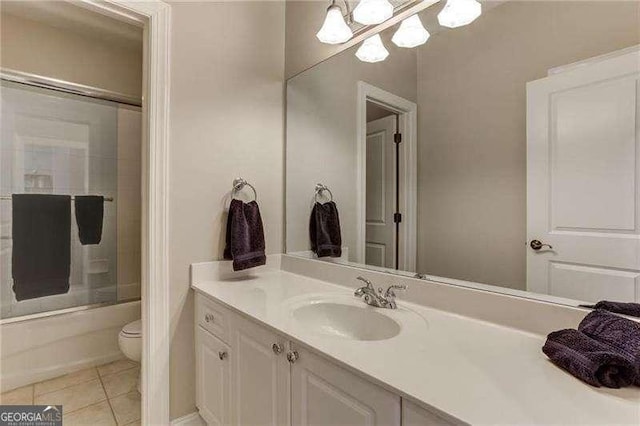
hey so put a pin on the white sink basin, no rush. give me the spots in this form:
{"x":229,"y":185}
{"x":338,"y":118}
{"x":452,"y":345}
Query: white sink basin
{"x":346,"y":321}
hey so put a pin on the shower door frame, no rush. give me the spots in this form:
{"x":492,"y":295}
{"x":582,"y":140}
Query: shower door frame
{"x":154,"y":17}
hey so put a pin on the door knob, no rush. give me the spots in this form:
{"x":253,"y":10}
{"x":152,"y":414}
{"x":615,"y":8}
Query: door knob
{"x":537,"y":245}
{"x":222,"y":355}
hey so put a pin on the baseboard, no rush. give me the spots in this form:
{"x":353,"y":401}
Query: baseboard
{"x":192,"y":419}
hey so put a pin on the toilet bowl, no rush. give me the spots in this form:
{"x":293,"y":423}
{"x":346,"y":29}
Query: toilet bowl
{"x":130,"y":341}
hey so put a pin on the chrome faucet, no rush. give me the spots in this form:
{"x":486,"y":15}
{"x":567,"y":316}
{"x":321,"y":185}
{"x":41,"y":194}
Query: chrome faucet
{"x":378,"y":298}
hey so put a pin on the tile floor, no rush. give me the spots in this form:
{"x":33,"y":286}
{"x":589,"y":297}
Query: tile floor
{"x":97,"y":396}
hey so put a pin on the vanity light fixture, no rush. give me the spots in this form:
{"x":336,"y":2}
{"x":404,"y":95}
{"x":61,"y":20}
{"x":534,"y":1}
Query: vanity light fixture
{"x":372,"y":50}
{"x":371,"y":12}
{"x":457,"y":13}
{"x":411,"y":33}
{"x":335,"y":30}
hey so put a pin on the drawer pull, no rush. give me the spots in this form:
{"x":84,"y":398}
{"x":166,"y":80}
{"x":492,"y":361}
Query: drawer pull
{"x":208,"y":317}
{"x":222,"y":355}
{"x":292,"y":356}
{"x":277,"y":348}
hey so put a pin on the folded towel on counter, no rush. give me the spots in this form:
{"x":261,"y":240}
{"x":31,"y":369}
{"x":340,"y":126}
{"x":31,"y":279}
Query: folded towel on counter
{"x":41,"y":252}
{"x":245,"y":236}
{"x":620,"y":333}
{"x":591,"y":361}
{"x":631,"y":309}
{"x":324,"y":230}
{"x":89,"y":215}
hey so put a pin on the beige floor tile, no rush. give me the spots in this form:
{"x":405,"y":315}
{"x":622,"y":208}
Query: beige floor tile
{"x":95,"y":415}
{"x":116,"y":366}
{"x":19,"y":396}
{"x":65,"y":381}
{"x":74,"y":397}
{"x":126,"y":407}
{"x":120,"y":383}
{"x":136,"y":423}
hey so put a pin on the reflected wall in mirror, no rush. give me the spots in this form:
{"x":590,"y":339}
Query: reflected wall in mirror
{"x":518,"y":165}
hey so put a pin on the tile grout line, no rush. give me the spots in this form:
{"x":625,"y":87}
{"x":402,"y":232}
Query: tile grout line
{"x":113,"y":413}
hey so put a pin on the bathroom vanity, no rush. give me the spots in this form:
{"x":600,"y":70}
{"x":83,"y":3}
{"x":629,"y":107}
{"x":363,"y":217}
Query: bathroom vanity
{"x":284,"y":344}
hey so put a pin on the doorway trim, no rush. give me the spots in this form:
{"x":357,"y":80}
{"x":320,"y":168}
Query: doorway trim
{"x":408,"y":114}
{"x":154,"y":16}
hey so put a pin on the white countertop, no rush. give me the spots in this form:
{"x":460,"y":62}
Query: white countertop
{"x":476,"y":372}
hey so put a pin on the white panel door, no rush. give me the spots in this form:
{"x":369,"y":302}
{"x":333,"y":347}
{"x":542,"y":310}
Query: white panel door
{"x":582,"y":181}
{"x":380,"y":229}
{"x":323,"y":394}
{"x":261,"y":376}
{"x":212,"y":378}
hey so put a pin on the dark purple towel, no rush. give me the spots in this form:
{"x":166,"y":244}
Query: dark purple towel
{"x":89,"y":216}
{"x":245,"y":236}
{"x":41,"y":254}
{"x":587,"y":359}
{"x":324,"y":230}
{"x":621,"y":333}
{"x":631,"y":309}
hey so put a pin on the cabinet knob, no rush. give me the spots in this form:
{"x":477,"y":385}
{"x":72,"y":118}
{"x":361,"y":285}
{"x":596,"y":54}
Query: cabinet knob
{"x":222,"y":355}
{"x":277,"y":348}
{"x":208,"y":317}
{"x":292,"y":356}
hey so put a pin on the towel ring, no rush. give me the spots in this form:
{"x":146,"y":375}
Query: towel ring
{"x":320,"y":188}
{"x":239,"y":184}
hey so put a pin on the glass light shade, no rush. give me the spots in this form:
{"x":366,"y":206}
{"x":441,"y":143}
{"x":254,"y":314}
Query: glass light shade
{"x":372,"y":50}
{"x":411,"y":33}
{"x":457,"y":13}
{"x":371,"y":12}
{"x":334,"y":30}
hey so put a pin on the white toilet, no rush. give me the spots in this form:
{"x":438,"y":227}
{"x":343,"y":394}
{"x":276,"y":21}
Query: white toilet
{"x":130,"y":341}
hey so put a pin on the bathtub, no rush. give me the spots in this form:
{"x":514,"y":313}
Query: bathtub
{"x":32,"y":350}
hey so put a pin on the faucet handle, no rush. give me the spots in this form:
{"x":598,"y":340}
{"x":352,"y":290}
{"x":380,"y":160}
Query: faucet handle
{"x":390,"y":290}
{"x":366,"y":281}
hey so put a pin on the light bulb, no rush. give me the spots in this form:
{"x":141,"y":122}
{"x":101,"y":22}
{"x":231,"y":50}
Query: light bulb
{"x":411,"y":33}
{"x":371,"y":12}
{"x":372,"y":50}
{"x":457,"y":13}
{"x":334,"y":30}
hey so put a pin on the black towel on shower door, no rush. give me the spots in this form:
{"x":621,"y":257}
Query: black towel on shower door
{"x":41,"y":253}
{"x":89,"y":216}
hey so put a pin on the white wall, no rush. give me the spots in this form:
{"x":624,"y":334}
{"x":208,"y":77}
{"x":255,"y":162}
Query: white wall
{"x":37,"y":48}
{"x":227,"y":70}
{"x":321,"y":135}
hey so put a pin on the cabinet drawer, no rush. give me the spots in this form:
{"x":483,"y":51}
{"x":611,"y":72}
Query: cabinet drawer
{"x":213,"y":317}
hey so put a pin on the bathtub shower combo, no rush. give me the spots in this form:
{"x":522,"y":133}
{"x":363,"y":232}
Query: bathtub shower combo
{"x":71,"y":143}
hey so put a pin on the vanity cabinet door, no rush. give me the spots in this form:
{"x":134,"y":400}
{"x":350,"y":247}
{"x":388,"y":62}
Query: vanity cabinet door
{"x":414,"y":415}
{"x":212,"y":378}
{"x":325,"y":394}
{"x":261,"y":375}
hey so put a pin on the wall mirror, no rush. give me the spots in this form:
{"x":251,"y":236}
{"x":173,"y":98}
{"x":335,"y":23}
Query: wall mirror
{"x":518,"y":165}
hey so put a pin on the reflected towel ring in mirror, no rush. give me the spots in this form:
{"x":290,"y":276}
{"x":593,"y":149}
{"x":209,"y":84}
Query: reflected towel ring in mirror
{"x":238,"y":184}
{"x":320,"y":188}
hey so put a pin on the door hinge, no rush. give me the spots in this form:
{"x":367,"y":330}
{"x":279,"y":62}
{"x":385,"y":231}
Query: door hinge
{"x":397,"y":137}
{"x":397,"y":217}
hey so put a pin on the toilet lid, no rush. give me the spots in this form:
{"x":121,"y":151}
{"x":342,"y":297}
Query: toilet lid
{"x":133,"y":328}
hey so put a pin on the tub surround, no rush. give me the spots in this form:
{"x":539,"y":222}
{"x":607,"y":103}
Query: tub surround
{"x":474,"y":360}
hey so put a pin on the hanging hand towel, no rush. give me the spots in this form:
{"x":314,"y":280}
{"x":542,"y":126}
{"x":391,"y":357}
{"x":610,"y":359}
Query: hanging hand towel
{"x":41,"y":253}
{"x":324,"y":230}
{"x":245,"y":236}
{"x":89,"y":215}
